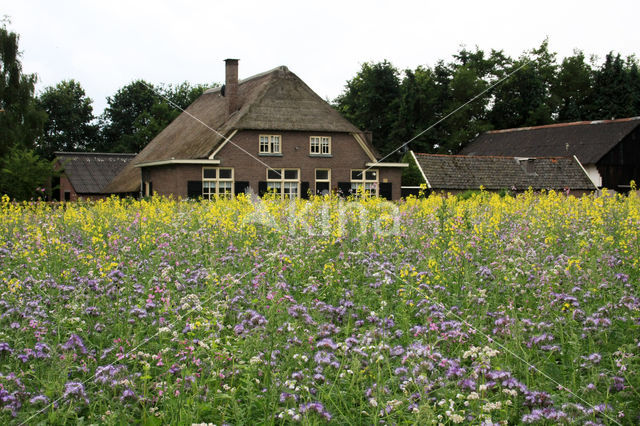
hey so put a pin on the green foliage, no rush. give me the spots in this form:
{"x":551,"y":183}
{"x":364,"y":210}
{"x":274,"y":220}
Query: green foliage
{"x":139,"y":111}
{"x":615,"y":89}
{"x":370,"y":101}
{"x":411,"y":175}
{"x":573,"y":88}
{"x":525,"y":98}
{"x":20,"y":120}
{"x":70,"y":126}
{"x":24,"y":175}
{"x":449,"y":100}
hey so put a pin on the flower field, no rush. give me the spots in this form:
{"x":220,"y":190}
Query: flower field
{"x":440,"y":310}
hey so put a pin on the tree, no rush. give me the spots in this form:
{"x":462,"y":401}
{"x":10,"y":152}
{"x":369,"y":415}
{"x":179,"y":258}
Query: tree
{"x":24,"y":175}
{"x":139,"y":111}
{"x":120,"y":121}
{"x":525,"y":98}
{"x":370,"y":102}
{"x":613,"y":89}
{"x":573,"y":88}
{"x":21,"y":121}
{"x":70,"y":126}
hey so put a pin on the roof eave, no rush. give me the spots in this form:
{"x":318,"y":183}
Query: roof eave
{"x":180,"y":161}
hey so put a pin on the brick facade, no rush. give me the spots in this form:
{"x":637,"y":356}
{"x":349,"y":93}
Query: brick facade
{"x":346,"y":155}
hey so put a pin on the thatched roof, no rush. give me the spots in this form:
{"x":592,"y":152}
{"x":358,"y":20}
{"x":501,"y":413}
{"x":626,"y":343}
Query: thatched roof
{"x":274,"y":100}
{"x":587,"y":140}
{"x":90,"y":172}
{"x":462,"y":172}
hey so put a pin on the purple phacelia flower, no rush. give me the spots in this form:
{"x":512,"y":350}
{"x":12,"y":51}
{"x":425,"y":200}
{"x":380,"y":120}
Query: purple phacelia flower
{"x":39,"y":399}
{"x":4,"y":347}
{"x":326,"y":343}
{"x":128,"y":394}
{"x":75,"y":389}
{"x":75,"y":342}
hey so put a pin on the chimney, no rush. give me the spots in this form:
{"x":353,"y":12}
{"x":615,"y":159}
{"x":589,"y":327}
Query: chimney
{"x":231,"y":85}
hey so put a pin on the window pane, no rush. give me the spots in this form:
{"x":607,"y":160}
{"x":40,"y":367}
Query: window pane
{"x":225,"y":173}
{"x":209,"y":173}
{"x":371,"y":175}
{"x":322,"y":174}
{"x":322,"y":187}
{"x":291,"y":174}
{"x":356,"y":174}
{"x":275,"y":143}
{"x":274,"y":174}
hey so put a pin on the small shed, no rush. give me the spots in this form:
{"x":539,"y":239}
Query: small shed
{"x":86,"y":174}
{"x":458,"y":173}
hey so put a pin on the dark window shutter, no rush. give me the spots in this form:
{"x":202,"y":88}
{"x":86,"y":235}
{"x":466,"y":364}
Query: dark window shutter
{"x":321,"y":187}
{"x":150,"y":188}
{"x":194,"y":188}
{"x":304,"y":190}
{"x":386,"y":190}
{"x":240,"y":187}
{"x":262,"y":188}
{"x":345,"y":188}
{"x":55,"y":185}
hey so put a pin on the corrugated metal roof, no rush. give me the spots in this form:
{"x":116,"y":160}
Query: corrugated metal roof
{"x":587,"y":140}
{"x":460,"y":172}
{"x":90,"y":172}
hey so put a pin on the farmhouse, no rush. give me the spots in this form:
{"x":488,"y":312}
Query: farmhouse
{"x":457,"y":173}
{"x":86,"y":174}
{"x":609,"y":150}
{"x":269,"y":132}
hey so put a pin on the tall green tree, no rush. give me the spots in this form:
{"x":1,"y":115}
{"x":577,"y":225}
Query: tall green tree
{"x":71,"y":124}
{"x":123,"y":118}
{"x":139,"y":111}
{"x":573,"y":88}
{"x":370,"y":101}
{"x":21,"y":121}
{"x":613,"y":89}
{"x":525,"y":98}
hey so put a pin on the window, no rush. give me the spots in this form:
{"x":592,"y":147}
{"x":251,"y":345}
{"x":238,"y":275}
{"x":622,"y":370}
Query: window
{"x":270,"y":144}
{"x":285,"y":182}
{"x":364,"y":180}
{"x":217,"y":182}
{"x":320,"y":145}
{"x":323,"y":180}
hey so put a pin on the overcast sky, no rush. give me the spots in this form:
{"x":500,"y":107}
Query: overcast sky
{"x":107,"y":44}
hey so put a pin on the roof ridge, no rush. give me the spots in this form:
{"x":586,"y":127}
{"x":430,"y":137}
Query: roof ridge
{"x":244,"y":80}
{"x":123,"y":154}
{"x":573,"y":123}
{"x":491,"y":156}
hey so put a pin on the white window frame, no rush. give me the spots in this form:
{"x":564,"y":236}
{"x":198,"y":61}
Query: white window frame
{"x":208,"y":193}
{"x":320,"y":145}
{"x":328,"y":180}
{"x":283,"y":186}
{"x":270,"y":144}
{"x":371,"y":186}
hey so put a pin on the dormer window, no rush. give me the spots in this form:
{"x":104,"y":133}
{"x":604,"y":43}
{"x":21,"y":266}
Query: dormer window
{"x":320,"y":145}
{"x":270,"y":144}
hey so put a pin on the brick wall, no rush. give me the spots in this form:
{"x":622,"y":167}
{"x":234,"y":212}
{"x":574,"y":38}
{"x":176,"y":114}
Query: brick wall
{"x":346,"y":154}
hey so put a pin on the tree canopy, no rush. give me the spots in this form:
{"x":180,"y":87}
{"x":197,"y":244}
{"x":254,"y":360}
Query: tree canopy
{"x":71,"y":124}
{"x":478,"y":91}
{"x":21,"y":121}
{"x":139,"y":111}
